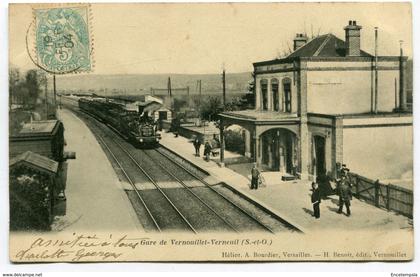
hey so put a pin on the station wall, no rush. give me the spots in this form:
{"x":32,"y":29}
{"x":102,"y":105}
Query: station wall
{"x":379,"y":152}
{"x":350,"y":91}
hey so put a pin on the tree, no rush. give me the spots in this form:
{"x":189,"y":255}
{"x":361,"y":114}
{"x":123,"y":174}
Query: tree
{"x":180,"y":104}
{"x":33,"y":81}
{"x":30,"y":199}
{"x":251,"y":84}
{"x":234,"y":105}
{"x":14,"y":86}
{"x":246,"y":101}
{"x":211,"y":107}
{"x":234,"y":141}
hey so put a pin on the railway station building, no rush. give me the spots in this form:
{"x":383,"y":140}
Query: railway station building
{"x":325,"y":104}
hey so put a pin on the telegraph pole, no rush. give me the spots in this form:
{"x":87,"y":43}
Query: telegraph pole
{"x":169,"y":87}
{"x":188,"y":97}
{"x":222,"y":135}
{"x":169,"y":92}
{"x":224,"y":88}
{"x":199,"y":91}
{"x":403,"y":95}
{"x":376,"y":69}
{"x":55,"y":91}
{"x":46,"y":98}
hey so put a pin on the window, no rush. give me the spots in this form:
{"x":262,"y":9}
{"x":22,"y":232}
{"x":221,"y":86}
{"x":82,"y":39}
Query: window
{"x":275,"y":90}
{"x":264,"y":93}
{"x":287,"y":89}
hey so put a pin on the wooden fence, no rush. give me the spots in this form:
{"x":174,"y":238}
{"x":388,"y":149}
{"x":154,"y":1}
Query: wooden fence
{"x":390,"y":197}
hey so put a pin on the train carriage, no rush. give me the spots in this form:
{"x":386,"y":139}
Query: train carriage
{"x":134,"y":125}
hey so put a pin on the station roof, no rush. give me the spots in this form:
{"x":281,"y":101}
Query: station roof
{"x":146,"y":103}
{"x":41,"y":127}
{"x":324,"y":46}
{"x":35,"y":161}
{"x":327,"y":45}
{"x":264,"y":116}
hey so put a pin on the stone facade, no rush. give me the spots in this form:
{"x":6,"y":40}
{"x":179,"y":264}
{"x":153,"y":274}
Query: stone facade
{"x":304,"y":103}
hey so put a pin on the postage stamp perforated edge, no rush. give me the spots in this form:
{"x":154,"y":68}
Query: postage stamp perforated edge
{"x":32,"y":47}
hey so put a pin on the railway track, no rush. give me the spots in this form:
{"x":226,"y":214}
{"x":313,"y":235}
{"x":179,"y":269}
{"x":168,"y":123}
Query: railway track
{"x":207,"y":185}
{"x":171,"y":197}
{"x":135,"y":174}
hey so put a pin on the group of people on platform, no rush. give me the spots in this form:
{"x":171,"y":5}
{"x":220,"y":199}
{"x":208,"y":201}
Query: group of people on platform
{"x":322,"y":188}
{"x":208,"y":147}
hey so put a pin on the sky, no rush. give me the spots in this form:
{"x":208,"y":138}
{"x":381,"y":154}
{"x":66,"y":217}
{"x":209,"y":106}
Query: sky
{"x":205,"y":38}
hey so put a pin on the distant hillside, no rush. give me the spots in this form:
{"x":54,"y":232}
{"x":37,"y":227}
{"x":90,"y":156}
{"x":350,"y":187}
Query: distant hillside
{"x":138,"y":83}
{"x":141,"y":83}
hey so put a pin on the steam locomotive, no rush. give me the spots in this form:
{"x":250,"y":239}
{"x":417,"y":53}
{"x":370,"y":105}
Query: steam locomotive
{"x":134,"y":125}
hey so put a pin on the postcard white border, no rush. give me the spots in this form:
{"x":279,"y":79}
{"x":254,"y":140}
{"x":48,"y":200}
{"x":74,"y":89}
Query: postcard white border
{"x":47,"y":269}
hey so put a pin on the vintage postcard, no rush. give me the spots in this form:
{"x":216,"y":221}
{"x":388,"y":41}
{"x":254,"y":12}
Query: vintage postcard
{"x":222,"y":132}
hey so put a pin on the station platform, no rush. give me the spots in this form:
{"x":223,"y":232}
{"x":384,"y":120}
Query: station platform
{"x":96,"y":200}
{"x":291,"y":199}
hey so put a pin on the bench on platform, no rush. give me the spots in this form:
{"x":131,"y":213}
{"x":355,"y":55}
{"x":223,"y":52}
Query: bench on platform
{"x":288,"y":177}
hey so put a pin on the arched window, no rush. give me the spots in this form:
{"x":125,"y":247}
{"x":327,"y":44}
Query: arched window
{"x":275,"y":91}
{"x":287,"y":92}
{"x":264,"y":94}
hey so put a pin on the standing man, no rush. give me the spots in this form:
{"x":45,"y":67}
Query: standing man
{"x":316,"y":199}
{"x":216,"y":141}
{"x":207,"y":150}
{"x":197,"y":145}
{"x":324,"y":185}
{"x":345,"y":195}
{"x":255,"y":175}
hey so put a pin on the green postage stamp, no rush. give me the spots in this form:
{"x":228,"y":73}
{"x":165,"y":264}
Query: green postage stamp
{"x":63,"y":42}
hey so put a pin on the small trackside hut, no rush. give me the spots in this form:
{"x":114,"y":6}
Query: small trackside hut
{"x":38,"y":174}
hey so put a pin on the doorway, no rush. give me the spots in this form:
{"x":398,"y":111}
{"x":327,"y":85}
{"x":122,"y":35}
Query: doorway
{"x":278,"y":150}
{"x":319,"y":142}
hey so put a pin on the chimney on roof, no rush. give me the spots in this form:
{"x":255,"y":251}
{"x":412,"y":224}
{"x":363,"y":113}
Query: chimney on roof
{"x":299,"y":40}
{"x":352,"y":38}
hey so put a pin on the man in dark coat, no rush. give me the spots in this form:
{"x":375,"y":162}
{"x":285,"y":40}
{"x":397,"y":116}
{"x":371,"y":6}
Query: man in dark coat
{"x":324,"y":185}
{"x":197,"y":145}
{"x":345,"y":195}
{"x":316,"y":199}
{"x":207,"y":150}
{"x":255,"y":174}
